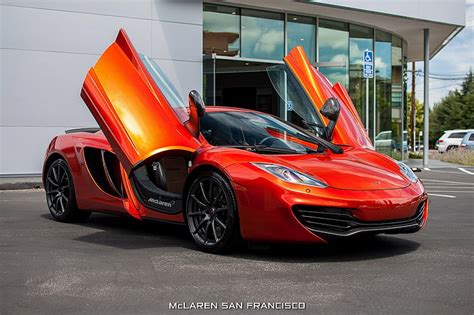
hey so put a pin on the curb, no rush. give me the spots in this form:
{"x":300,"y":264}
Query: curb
{"x":19,"y":184}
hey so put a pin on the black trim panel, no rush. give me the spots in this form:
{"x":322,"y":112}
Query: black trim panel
{"x":341,"y":222}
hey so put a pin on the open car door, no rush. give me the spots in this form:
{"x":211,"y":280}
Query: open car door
{"x":143,"y":118}
{"x":349,"y":129}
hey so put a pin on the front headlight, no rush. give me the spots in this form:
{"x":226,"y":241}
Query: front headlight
{"x":289,"y":175}
{"x":407,"y":172}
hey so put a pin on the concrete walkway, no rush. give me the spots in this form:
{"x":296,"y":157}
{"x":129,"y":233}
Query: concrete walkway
{"x":432,"y":164}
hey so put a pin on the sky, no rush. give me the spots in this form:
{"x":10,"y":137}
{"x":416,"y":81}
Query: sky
{"x":455,"y":59}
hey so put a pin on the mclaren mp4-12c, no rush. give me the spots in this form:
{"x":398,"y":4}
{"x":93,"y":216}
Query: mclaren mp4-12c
{"x":228,"y":173}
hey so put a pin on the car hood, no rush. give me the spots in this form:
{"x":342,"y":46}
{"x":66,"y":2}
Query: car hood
{"x":354,"y":169}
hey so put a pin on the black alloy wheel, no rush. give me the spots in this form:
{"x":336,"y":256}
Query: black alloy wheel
{"x":60,"y":195}
{"x":211,"y":213}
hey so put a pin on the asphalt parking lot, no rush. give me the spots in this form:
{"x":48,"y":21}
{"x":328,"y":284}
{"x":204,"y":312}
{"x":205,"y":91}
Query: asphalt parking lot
{"x":117,"y":265}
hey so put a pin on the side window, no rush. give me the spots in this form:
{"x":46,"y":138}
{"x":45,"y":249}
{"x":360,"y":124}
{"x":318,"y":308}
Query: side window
{"x":457,"y":135}
{"x":471,"y":137}
{"x":166,"y":87}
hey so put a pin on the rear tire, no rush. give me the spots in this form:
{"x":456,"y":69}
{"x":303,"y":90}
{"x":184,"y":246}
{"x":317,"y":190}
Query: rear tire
{"x":60,"y":195}
{"x":211,"y":213}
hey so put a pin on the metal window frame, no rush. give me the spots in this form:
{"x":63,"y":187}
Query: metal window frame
{"x":317,"y":62}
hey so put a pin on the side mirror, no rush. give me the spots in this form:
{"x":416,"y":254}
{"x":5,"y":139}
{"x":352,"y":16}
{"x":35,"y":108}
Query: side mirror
{"x":197,"y":109}
{"x":331,"y":110}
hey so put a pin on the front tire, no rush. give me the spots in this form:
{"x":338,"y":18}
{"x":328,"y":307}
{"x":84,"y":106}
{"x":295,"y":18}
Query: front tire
{"x":60,"y":195}
{"x":211,"y":213}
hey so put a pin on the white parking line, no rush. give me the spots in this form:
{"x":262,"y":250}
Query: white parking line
{"x":445,"y":196}
{"x":465,"y":171}
{"x":454,"y":191}
{"x":445,"y":181}
{"x":444,"y":172}
{"x":450,"y":187}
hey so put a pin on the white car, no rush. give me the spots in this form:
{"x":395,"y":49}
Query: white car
{"x":451,"y":139}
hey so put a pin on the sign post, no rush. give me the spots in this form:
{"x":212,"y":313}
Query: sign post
{"x":368,"y":60}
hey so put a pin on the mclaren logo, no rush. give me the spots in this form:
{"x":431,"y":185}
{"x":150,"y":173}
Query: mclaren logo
{"x":167,"y":204}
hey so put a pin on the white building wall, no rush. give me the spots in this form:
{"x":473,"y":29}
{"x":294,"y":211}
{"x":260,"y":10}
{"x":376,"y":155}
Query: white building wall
{"x":47,"y":47}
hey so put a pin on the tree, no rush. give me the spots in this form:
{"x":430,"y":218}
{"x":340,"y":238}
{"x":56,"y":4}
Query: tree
{"x":418,"y":119}
{"x":454,"y":111}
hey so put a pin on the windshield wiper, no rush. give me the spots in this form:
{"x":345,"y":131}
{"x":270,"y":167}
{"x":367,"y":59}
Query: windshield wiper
{"x":260,"y":148}
{"x":328,"y":145}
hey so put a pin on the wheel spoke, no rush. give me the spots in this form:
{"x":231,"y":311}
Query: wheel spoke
{"x":199,"y":226}
{"x":192,"y":214}
{"x":56,"y":203}
{"x":202,"y":204}
{"x":218,"y":196}
{"x":221,"y":209}
{"x":63,"y":177}
{"x":203,"y":193}
{"x":206,"y":233}
{"x":52,"y":192}
{"x":55,"y":198}
{"x":214,"y":231}
{"x":65,"y":198}
{"x":52,"y":182}
{"x":220,"y":223}
{"x":210,"y":191}
{"x":55,"y":175}
{"x":61,"y":204}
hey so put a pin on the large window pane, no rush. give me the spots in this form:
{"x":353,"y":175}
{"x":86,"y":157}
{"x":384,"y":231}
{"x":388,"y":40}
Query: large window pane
{"x":262,"y":34}
{"x":334,"y":49}
{"x":399,"y":137}
{"x":301,"y":31}
{"x":383,"y":79}
{"x":221,"y":26}
{"x":361,"y":38}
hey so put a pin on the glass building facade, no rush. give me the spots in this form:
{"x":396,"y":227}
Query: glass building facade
{"x":240,"y":38}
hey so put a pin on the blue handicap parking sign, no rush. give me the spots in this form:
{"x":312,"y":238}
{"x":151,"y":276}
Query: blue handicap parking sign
{"x":368,"y":59}
{"x":368,"y":56}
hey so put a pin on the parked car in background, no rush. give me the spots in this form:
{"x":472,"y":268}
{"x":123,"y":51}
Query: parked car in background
{"x":468,"y":141}
{"x":451,"y":139}
{"x":384,"y":141}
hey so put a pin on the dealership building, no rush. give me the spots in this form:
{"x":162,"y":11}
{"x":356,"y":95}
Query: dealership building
{"x":221,"y":48}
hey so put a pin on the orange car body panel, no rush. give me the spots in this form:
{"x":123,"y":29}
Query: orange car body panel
{"x":130,"y":109}
{"x":349,"y":129}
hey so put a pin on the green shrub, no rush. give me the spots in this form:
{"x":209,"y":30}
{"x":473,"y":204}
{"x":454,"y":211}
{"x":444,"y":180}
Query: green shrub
{"x":414,"y":155}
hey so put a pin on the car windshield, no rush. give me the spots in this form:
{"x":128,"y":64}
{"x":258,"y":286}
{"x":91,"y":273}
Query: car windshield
{"x":300,"y":109}
{"x":257,"y":132}
{"x":167,"y":88}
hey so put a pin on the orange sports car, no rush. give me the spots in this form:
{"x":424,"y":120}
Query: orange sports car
{"x":228,"y":173}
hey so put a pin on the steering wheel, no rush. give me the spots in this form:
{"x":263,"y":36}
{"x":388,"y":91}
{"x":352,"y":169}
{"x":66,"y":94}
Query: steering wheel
{"x":267,"y":139}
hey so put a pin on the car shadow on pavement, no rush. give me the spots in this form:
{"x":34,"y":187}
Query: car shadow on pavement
{"x":127,"y":233}
{"x":354,"y":249}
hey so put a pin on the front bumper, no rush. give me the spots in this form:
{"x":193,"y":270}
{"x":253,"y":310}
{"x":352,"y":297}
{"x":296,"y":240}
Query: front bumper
{"x":342,"y":223}
{"x":272,"y":210}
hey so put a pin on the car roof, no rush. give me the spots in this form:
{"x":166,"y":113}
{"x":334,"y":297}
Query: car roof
{"x":458,"y":130}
